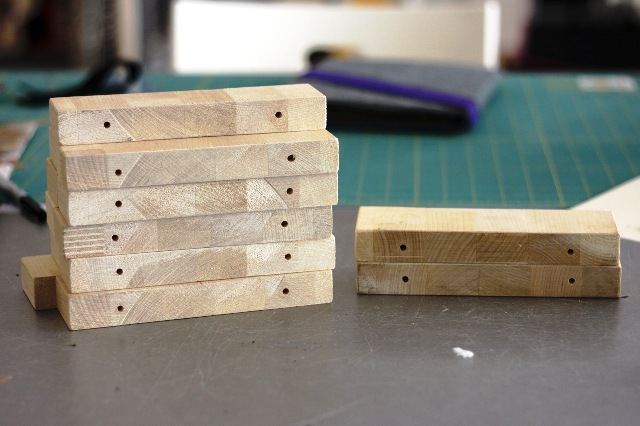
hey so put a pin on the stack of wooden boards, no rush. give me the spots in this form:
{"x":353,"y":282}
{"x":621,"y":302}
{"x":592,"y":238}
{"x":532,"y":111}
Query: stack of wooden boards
{"x":183,"y":204}
{"x":477,"y":252}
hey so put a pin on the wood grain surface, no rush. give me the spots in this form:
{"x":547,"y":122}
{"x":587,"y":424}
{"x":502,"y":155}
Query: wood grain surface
{"x":181,"y":266}
{"x":205,"y":159}
{"x":39,"y":280}
{"x":189,"y":232}
{"x":549,"y":237}
{"x":197,"y":199}
{"x":171,"y":115}
{"x":488,"y":280}
{"x":120,"y":307}
{"x":53,"y":182}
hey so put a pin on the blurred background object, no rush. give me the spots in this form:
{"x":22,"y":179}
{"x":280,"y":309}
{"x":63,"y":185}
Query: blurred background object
{"x":579,"y":34}
{"x":251,"y":37}
{"x":272,"y":36}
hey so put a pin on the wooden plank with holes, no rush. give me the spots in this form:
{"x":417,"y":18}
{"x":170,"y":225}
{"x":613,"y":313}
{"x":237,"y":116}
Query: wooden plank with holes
{"x":161,"y":303}
{"x":550,"y":237}
{"x":205,"y":159}
{"x":488,"y":280}
{"x":170,"y":115}
{"x":197,"y":199}
{"x":39,"y":281}
{"x":211,"y":263}
{"x":189,"y":232}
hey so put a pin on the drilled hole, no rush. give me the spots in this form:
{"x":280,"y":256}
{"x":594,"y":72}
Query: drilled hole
{"x":107,"y":124}
{"x":403,"y":247}
{"x":115,"y":237}
{"x":284,"y":224}
{"x":287,"y":256}
{"x":405,"y":279}
{"x":289,"y":191}
{"x":278,"y":114}
{"x":291,"y":157}
{"x":285,"y":291}
{"x":572,"y":280}
{"x":119,"y":271}
{"x":118,"y":203}
{"x":118,"y":172}
{"x":570,"y":252}
{"x":120,"y":308}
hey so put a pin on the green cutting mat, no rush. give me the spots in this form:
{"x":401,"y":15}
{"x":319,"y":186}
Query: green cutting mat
{"x":541,"y":142}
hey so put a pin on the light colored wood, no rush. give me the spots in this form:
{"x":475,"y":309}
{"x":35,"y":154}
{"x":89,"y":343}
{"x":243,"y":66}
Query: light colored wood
{"x":180,"y":266}
{"x":190,"y":232}
{"x":488,"y":280}
{"x":52,"y":181}
{"x":197,"y":199}
{"x":39,"y":281}
{"x":54,"y":151}
{"x":414,"y":235}
{"x":206,"y":159}
{"x":171,"y":115}
{"x":120,"y":307}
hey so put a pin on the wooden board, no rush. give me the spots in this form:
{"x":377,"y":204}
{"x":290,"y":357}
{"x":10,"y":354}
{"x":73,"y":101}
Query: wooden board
{"x":189,"y":232}
{"x":180,"y":266}
{"x":120,"y":307}
{"x":39,"y":281}
{"x":197,"y":199}
{"x":550,"y":237}
{"x":488,"y":280}
{"x":170,"y":115}
{"x":206,"y":159}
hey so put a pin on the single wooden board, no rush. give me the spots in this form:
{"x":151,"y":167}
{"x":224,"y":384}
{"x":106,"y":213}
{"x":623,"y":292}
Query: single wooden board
{"x":39,"y":281}
{"x":207,"y":159}
{"x":548,"y":237}
{"x":488,"y":280}
{"x":180,"y":266}
{"x":120,"y":307}
{"x":189,"y":232}
{"x":171,"y":115}
{"x":197,"y":199}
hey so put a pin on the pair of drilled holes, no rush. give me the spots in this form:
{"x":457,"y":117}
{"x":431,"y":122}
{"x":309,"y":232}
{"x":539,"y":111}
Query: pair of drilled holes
{"x":107,"y":124}
{"x":405,"y":279}
{"x":403,"y":247}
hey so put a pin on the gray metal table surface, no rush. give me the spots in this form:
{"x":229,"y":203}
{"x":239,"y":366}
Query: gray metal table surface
{"x":359,"y":360}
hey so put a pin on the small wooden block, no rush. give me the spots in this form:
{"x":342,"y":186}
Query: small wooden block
{"x":160,"y":303}
{"x":39,"y":281}
{"x":180,"y":266}
{"x":547,"y":237}
{"x":488,"y":280}
{"x":197,"y":199}
{"x":171,"y":115}
{"x":206,"y":159}
{"x":189,"y":232}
